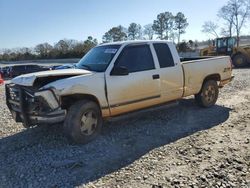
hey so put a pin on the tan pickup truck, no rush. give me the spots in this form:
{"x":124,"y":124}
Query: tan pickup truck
{"x":114,"y":79}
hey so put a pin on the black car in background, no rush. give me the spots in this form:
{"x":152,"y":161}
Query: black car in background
{"x":17,"y":70}
{"x":4,"y":71}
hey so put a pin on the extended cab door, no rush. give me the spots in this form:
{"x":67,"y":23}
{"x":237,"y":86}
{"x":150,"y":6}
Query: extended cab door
{"x":171,"y":73}
{"x":140,"y":87}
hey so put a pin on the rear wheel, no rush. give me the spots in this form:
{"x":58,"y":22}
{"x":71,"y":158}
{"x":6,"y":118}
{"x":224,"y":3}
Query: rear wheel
{"x":239,"y":60}
{"x":83,"y":122}
{"x":208,"y":95}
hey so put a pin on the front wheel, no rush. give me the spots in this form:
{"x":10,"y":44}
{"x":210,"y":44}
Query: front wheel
{"x":208,"y":95}
{"x":83,"y":122}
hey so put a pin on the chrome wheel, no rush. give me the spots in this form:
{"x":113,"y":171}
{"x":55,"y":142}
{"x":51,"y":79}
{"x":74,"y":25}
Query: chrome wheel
{"x":88,"y":123}
{"x":83,"y":121}
{"x":210,"y":94}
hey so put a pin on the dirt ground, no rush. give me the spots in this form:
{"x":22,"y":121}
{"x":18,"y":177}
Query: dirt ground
{"x":181,"y":146}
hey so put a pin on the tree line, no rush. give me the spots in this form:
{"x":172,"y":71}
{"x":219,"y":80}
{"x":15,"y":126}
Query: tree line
{"x":166,"y":26}
{"x":66,"y":48}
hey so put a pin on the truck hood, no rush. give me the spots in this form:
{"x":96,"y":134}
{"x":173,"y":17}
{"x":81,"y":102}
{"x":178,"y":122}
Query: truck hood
{"x":29,"y":79}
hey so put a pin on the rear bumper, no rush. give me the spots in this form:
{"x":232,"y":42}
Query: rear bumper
{"x":226,"y":81}
{"x":30,"y":109}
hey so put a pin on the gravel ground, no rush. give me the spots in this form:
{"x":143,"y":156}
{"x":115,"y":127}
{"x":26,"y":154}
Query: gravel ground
{"x":182,"y":146}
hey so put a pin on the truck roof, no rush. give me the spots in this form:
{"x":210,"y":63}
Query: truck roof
{"x":134,"y":42}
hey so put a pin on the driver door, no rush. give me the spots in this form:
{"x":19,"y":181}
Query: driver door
{"x":138,"y":89}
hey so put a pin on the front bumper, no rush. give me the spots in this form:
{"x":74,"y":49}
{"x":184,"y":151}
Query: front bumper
{"x":33,"y":107}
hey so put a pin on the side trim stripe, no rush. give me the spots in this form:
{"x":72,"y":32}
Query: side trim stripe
{"x":134,"y":101}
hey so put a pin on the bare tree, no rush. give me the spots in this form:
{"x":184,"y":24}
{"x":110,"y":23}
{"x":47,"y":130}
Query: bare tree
{"x":225,"y":32}
{"x":226,"y":14}
{"x":134,"y":31}
{"x":159,"y":25}
{"x":148,"y":31}
{"x":210,"y":28}
{"x":43,"y":49}
{"x":239,"y":10}
{"x":89,"y":44}
{"x":115,"y":34}
{"x":24,"y":50}
{"x":62,"y":46}
{"x":173,"y":36}
{"x":169,"y":21}
{"x":180,"y":24}
{"x":164,"y":25}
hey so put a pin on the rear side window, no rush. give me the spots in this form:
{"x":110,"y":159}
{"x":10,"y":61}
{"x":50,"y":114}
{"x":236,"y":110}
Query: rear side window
{"x":19,"y":68}
{"x":32,"y":67}
{"x":164,"y":55}
{"x":136,"y":58}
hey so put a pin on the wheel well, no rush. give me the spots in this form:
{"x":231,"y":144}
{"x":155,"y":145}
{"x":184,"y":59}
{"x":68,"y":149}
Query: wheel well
{"x":215,"y":77}
{"x":67,"y":101}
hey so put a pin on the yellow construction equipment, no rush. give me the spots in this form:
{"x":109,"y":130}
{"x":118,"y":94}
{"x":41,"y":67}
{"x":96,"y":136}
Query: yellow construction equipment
{"x":227,"y":46}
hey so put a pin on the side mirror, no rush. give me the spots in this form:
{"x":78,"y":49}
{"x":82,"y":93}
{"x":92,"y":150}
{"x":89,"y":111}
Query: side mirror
{"x":119,"y":71}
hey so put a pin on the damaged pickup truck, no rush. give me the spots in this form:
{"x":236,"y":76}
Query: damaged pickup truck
{"x":114,"y":79}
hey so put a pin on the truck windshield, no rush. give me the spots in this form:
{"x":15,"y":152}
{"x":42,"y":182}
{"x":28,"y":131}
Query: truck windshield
{"x":98,"y":58}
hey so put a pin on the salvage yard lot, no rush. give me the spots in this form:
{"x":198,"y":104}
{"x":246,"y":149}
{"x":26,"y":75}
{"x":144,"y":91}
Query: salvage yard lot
{"x":182,"y":146}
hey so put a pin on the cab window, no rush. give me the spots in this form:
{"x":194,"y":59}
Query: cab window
{"x":136,"y":58}
{"x":164,"y":55}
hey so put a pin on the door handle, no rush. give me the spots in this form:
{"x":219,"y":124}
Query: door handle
{"x":156,"y":76}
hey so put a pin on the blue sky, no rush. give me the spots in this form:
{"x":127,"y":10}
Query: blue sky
{"x":29,"y":22}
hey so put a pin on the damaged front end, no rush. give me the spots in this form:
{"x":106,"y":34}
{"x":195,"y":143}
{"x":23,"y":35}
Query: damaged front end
{"x":32,"y":107}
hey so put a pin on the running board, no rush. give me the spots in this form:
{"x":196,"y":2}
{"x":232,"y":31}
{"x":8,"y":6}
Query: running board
{"x":142,"y":111}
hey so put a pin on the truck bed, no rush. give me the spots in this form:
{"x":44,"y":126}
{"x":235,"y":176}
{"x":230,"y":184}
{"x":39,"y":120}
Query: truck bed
{"x":201,"y":68}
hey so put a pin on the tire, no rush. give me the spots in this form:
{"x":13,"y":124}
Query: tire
{"x":240,"y":60}
{"x":83,"y":122}
{"x":208,"y":95}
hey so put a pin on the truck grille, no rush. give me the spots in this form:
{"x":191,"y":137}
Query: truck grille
{"x":14,"y":94}
{"x":13,"y":97}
